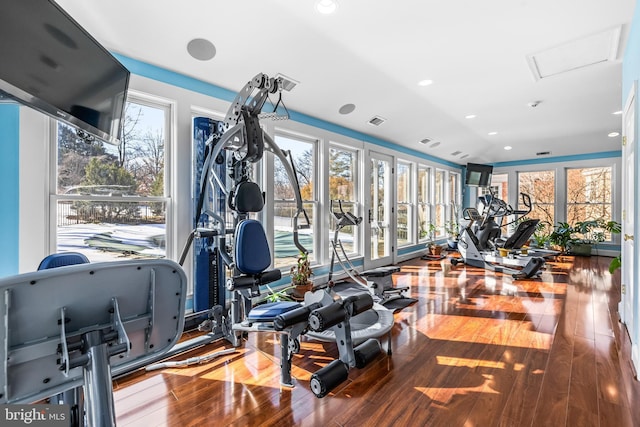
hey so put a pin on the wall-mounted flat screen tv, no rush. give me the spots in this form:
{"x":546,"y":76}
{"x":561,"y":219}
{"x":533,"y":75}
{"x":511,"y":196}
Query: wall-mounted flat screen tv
{"x":478,"y":175}
{"x":49,"y":62}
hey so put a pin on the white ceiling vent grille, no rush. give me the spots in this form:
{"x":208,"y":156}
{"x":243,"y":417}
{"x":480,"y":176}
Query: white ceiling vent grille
{"x":287,"y":82}
{"x":377,"y":121}
{"x":590,"y":50}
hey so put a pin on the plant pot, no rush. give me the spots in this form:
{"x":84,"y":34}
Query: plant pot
{"x":581,"y":249}
{"x":300,"y":290}
{"x":435,"y":250}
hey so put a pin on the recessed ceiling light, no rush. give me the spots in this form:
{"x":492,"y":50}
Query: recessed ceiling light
{"x":347,"y":109}
{"x":508,"y":147}
{"x":470,"y":116}
{"x":326,"y":7}
{"x":617,"y":113}
{"x":201,"y":49}
{"x":613,"y":134}
{"x":435,"y":144}
{"x":425,"y":141}
{"x":492,"y":133}
{"x":425,"y":82}
{"x":464,"y":157}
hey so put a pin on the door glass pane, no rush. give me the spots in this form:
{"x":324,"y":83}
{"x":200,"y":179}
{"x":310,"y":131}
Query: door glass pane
{"x":404,"y":208}
{"x":379,"y":224}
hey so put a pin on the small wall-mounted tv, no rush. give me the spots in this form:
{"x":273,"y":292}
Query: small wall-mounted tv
{"x":49,"y":62}
{"x":478,"y":175}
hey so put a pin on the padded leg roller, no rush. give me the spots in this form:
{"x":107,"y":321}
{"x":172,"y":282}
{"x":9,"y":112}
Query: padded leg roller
{"x":293,"y":317}
{"x":328,"y":378}
{"x":326,"y":317}
{"x":366,"y":352}
{"x":358,"y":303}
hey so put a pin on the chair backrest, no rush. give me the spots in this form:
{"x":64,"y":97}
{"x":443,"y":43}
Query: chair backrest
{"x":252,"y":253}
{"x":62,"y":259}
{"x":247,"y":197}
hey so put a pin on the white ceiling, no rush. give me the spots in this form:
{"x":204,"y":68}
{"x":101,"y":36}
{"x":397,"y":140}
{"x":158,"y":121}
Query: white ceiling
{"x":372,"y":53}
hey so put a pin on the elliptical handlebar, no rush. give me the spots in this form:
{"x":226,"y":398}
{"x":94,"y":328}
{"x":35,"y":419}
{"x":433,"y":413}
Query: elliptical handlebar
{"x":342,"y":217}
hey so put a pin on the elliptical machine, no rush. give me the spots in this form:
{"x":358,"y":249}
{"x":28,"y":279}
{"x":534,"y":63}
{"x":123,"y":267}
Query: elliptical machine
{"x":382,"y":289}
{"x":480,"y":240}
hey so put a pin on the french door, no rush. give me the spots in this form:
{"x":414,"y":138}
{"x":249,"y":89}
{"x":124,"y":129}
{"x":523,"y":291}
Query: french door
{"x":379,"y":210}
{"x":629,"y":300}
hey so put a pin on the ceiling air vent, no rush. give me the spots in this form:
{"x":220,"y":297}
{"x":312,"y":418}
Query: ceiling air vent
{"x":425,"y":141}
{"x":455,"y":153}
{"x":377,"y":121}
{"x":543,"y":153}
{"x":287,"y":82}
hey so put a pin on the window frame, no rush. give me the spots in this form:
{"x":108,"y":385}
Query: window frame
{"x":54,"y":198}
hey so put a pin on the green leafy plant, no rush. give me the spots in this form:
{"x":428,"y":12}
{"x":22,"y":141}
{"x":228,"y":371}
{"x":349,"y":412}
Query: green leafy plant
{"x":452,"y":228}
{"x":595,"y":230}
{"x":615,"y":264}
{"x":301,"y":272}
{"x":279,"y":295}
{"x":561,"y":235}
{"x":541,"y":236}
{"x":586,"y":232}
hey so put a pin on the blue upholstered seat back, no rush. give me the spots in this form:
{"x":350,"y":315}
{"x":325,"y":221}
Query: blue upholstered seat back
{"x":62,"y":259}
{"x":252,"y":248}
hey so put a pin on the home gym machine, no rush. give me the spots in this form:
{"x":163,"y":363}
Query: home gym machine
{"x":480,"y":240}
{"x":239,"y":266}
{"x":79,"y":325}
{"x":382,"y":289}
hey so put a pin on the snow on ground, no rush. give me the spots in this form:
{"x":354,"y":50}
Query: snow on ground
{"x":72,"y":238}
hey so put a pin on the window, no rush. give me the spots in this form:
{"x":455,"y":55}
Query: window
{"x":589,"y":194}
{"x":110,"y":202}
{"x":303,"y":152}
{"x":440,"y":203}
{"x":454,"y":197}
{"x":343,"y":170}
{"x":540,"y":186}
{"x":424,"y":215}
{"x":404,"y":214}
{"x":499,"y":187}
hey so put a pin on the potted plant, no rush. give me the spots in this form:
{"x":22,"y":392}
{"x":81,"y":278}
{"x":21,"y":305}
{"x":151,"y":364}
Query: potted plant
{"x":301,"y":276}
{"x":580,"y":238}
{"x":453,"y":232}
{"x":592,"y":232}
{"x":561,"y":236}
{"x":432,"y":246}
{"x":541,"y":237}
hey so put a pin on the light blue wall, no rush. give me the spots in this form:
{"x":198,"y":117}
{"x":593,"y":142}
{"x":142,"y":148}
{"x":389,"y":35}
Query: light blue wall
{"x":9,"y":188}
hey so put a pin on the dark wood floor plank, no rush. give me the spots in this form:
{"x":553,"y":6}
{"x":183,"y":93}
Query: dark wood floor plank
{"x":583,"y":401}
{"x":477,"y":349}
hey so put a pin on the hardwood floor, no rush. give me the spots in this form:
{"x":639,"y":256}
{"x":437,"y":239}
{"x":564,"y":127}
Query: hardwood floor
{"x":477,"y":349}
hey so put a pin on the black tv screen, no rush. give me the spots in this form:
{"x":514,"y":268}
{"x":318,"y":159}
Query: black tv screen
{"x":478,"y":175}
{"x":49,"y":62}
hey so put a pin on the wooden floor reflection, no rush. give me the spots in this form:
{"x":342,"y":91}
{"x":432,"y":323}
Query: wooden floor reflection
{"x":477,"y":349}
